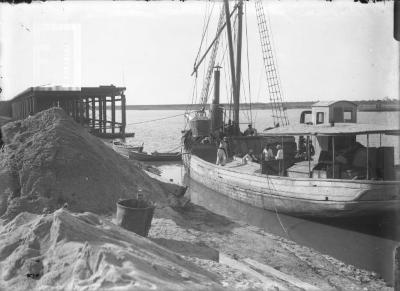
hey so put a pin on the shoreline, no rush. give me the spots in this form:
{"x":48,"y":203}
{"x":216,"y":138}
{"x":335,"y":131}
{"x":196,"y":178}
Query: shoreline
{"x":361,"y":107}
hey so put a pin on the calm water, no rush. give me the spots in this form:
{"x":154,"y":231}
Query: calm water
{"x":366,"y":243}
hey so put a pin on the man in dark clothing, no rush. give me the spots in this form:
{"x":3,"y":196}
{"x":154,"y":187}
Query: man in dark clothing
{"x":250,"y":131}
{"x":229,"y":128}
{"x":301,"y":149}
{"x":311,"y":150}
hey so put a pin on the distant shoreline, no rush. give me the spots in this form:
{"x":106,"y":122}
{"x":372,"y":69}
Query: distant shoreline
{"x":372,"y":106}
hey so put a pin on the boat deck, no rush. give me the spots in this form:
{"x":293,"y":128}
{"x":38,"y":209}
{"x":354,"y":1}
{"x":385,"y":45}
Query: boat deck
{"x":250,"y":167}
{"x":299,"y":169}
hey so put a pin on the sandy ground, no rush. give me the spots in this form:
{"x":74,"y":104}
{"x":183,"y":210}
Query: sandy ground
{"x":69,"y":251}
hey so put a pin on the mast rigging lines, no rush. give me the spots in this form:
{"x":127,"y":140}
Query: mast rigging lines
{"x":273,"y":82}
{"x":211,"y":64}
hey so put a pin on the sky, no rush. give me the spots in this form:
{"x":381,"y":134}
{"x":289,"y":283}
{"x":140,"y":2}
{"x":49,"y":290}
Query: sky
{"x":324,"y":50}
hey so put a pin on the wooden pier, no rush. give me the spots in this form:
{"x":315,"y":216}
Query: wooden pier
{"x":93,"y":107}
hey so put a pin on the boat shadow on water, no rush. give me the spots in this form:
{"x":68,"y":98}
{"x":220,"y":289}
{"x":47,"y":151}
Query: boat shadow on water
{"x":384,"y":226}
{"x":366,"y":242}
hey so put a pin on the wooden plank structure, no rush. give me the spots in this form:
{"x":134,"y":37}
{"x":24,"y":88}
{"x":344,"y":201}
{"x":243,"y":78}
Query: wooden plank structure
{"x":89,"y":106}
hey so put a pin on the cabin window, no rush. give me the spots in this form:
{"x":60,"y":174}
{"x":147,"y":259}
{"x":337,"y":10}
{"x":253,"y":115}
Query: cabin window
{"x":320,"y":117}
{"x":348,"y":115}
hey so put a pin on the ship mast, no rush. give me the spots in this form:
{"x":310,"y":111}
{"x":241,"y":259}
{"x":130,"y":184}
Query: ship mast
{"x":235,"y":76}
{"x":238,"y":68}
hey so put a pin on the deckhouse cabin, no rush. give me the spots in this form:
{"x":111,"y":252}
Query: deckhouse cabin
{"x":331,"y":112}
{"x":334,"y":112}
{"x":343,"y":148}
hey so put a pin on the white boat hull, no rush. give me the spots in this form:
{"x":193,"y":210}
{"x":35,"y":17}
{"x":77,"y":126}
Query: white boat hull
{"x":297,"y":196}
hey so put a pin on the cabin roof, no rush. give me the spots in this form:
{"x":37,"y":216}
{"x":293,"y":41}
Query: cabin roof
{"x":329,"y":103}
{"x":328,"y":130}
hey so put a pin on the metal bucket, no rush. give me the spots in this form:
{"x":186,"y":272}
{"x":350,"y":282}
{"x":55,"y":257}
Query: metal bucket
{"x":135,"y":215}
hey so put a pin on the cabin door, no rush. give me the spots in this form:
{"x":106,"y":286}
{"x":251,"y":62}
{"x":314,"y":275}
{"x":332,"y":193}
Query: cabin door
{"x":338,"y":114}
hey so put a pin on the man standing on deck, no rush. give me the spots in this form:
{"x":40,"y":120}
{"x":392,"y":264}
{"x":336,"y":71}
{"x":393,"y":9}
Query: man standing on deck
{"x":250,"y":131}
{"x":310,"y":151}
{"x":268,"y":154}
{"x":225,"y":145}
{"x":222,"y":153}
{"x":229,"y":131}
{"x":279,"y":157}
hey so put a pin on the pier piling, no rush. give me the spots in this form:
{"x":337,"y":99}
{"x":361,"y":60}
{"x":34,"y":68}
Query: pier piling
{"x":87,"y":105}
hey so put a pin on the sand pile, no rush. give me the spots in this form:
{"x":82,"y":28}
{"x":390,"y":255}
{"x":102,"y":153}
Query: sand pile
{"x":49,"y":160}
{"x":65,"y":251}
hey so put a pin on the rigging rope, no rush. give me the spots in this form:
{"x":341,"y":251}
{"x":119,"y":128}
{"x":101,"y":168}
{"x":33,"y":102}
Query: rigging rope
{"x":189,"y":106}
{"x":205,"y":92}
{"x":270,"y":65}
{"x":227,"y":91}
{"x":277,"y":72}
{"x":205,"y":29}
{"x":245,"y":112}
{"x":194,"y":93}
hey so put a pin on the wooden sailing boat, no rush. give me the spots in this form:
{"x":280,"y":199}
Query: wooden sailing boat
{"x":155,"y":156}
{"x":331,"y":185}
{"x":126,"y":149}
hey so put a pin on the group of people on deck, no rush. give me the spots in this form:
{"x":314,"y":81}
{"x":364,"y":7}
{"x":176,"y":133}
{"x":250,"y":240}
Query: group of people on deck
{"x":267,"y":154}
{"x":305,"y":151}
{"x":229,"y":129}
{"x":222,"y":152}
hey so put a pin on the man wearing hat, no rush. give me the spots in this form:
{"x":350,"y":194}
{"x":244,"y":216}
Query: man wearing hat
{"x":250,"y":131}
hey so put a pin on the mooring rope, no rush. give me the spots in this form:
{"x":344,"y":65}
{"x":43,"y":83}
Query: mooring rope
{"x":157,"y":119}
{"x":179,"y":146}
{"x":271,"y":187}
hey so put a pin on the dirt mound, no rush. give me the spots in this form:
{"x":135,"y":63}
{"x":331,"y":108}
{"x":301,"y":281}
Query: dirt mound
{"x":49,"y":160}
{"x":65,"y":251}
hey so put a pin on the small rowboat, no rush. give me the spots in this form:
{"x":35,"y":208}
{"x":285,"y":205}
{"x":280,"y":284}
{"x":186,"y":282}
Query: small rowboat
{"x":125,"y":149}
{"x":155,"y":156}
{"x":109,"y":135}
